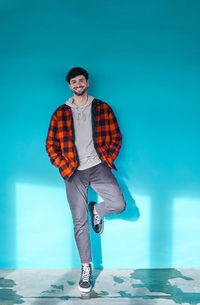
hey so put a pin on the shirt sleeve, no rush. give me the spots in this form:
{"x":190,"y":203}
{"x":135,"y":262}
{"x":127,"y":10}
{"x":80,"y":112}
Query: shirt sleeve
{"x":116,"y":136}
{"x":53,"y":145}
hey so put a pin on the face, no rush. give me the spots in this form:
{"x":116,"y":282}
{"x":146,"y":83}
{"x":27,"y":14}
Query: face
{"x":79,"y":85}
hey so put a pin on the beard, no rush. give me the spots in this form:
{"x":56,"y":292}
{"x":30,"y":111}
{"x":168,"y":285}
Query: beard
{"x":79,"y":93}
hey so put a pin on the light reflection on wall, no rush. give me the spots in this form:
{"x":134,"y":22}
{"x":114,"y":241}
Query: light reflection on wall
{"x":186,"y":230}
{"x":44,"y":232}
{"x":43,"y":227}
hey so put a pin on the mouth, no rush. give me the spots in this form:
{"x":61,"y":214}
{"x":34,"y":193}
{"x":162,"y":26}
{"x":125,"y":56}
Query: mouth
{"x":78,"y":88}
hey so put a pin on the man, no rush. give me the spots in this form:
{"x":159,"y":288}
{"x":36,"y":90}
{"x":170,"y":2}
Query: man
{"x":83,"y":141}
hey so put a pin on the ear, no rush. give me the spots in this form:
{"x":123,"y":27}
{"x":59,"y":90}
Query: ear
{"x":87,"y":83}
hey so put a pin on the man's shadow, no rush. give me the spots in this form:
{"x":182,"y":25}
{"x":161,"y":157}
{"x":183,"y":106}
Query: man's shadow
{"x":131,"y":213}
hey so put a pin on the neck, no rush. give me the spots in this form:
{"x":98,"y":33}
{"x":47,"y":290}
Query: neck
{"x":80,"y":100}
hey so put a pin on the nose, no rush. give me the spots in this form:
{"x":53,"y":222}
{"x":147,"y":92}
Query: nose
{"x":78,"y":84}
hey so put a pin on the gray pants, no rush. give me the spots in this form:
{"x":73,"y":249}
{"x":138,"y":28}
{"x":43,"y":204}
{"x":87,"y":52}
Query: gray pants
{"x":102,"y":180}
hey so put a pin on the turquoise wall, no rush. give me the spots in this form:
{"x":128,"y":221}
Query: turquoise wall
{"x":144,"y":60}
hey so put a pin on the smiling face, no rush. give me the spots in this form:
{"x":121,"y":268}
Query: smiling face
{"x":79,"y":85}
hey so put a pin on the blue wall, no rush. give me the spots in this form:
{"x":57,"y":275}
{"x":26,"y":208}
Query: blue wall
{"x":144,"y":60}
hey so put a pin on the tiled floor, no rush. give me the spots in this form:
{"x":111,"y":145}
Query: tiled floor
{"x":140,"y":286}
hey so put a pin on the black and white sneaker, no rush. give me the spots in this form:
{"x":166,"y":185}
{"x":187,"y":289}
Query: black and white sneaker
{"x":96,"y":220}
{"x":85,"y":280}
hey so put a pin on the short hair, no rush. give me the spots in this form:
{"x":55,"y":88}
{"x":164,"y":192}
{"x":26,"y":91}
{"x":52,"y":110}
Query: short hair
{"x":75,"y":72}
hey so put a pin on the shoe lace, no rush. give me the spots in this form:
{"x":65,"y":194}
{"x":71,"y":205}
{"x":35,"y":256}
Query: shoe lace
{"x":86,"y":274}
{"x":98,"y":219}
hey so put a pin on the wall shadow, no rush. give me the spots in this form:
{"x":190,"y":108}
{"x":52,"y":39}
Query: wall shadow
{"x":96,"y":247}
{"x":131,"y":213}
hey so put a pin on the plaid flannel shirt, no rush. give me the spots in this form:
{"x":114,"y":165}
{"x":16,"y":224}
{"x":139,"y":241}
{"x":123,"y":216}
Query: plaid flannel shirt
{"x":61,"y":137}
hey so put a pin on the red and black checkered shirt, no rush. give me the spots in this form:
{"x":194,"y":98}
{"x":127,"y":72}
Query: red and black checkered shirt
{"x":61,"y":137}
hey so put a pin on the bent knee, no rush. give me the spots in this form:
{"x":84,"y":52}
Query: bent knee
{"x":121,"y":206}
